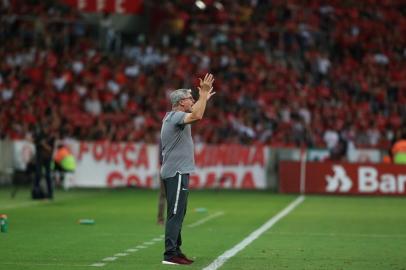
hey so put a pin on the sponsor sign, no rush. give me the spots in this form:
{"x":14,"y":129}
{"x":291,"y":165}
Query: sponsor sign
{"x":344,"y":178}
{"x":106,"y":164}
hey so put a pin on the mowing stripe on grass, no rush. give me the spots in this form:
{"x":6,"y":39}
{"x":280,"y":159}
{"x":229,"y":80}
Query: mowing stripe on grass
{"x":22,"y":204}
{"x":200,"y":222}
{"x":42,"y":264}
{"x":362,"y":235}
{"x":41,"y":202}
{"x":217,"y":263}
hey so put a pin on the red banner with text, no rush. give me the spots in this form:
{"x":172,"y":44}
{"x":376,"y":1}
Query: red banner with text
{"x":109,"y":6}
{"x":342,"y":178}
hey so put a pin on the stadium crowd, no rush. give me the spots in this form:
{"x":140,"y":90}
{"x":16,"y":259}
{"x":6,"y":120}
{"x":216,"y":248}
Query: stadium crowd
{"x":288,"y":73}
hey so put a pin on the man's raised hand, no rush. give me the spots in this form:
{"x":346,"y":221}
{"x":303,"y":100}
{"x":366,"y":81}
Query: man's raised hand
{"x":206,"y":85}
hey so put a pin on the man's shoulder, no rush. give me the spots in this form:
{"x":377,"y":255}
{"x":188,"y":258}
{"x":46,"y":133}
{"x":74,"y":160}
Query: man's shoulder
{"x":174,"y":116}
{"x":175,"y":113}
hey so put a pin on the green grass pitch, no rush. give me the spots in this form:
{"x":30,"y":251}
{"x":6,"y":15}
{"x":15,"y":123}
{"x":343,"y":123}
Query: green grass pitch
{"x":323,"y":232}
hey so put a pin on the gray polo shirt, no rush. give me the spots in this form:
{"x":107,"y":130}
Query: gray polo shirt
{"x":177,"y":145}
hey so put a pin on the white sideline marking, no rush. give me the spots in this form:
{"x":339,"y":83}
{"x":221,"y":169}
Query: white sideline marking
{"x":200,"y":222}
{"x":109,"y":259}
{"x":217,"y":263}
{"x":146,"y":244}
{"x":98,"y":264}
{"x":120,"y":254}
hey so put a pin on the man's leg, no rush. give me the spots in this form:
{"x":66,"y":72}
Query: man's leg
{"x":176,"y":195}
{"x":179,"y":243}
{"x":38,"y":172}
{"x":36,"y":188}
{"x":50,"y":188}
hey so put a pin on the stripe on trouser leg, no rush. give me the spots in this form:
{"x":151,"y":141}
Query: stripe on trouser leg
{"x":177,"y":194}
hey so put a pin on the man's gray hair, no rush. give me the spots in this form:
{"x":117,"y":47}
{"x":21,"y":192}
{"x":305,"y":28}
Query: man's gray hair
{"x":178,"y":95}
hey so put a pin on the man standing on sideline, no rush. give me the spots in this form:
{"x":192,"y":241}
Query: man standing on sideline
{"x":44,"y":140}
{"x":178,"y":161}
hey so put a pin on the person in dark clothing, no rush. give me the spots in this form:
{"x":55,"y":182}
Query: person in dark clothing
{"x":161,"y":204}
{"x":44,"y":145}
{"x":339,"y":152}
{"x":162,"y":195}
{"x":178,"y":162}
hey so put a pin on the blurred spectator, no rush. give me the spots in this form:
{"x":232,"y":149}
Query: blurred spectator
{"x":331,"y":138}
{"x":399,"y":150}
{"x":64,"y":162}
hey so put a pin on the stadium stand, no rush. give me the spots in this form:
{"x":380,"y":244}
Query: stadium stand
{"x":287,"y":73}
